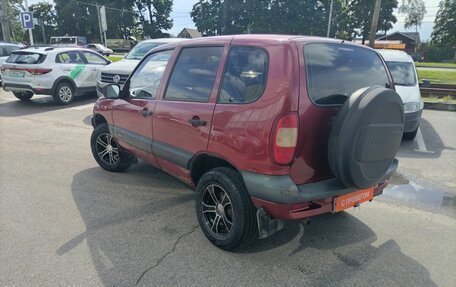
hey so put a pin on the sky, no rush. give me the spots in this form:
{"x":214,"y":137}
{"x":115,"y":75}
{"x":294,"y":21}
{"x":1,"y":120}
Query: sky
{"x":182,"y":19}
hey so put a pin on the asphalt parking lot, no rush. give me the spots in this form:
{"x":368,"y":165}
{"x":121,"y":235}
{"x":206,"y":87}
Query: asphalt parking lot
{"x":66,"y":222}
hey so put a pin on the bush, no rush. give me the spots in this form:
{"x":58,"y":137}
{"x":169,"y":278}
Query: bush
{"x":438,"y":54}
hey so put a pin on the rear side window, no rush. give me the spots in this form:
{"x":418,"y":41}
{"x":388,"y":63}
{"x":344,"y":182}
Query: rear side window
{"x":70,"y":57}
{"x":245,"y":75}
{"x":335,"y":71}
{"x":25,"y":58}
{"x":194,"y":74}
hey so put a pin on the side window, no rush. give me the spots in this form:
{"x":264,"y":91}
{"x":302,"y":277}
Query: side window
{"x":70,"y":57}
{"x":194,"y":74}
{"x":245,"y":76}
{"x":94,"y":59}
{"x":146,"y":79}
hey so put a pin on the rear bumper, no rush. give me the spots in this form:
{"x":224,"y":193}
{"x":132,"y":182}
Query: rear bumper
{"x":20,"y":88}
{"x":282,"y":199}
{"x":412,"y":121}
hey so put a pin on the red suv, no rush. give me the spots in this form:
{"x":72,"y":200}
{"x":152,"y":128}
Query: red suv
{"x":265,"y":127}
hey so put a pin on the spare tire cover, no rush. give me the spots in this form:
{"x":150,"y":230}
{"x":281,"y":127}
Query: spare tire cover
{"x":365,"y":136}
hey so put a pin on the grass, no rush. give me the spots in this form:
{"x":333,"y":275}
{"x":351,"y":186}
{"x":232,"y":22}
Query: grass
{"x":429,"y":64}
{"x":115,"y":58}
{"x":447,"y":99}
{"x":438,"y":77}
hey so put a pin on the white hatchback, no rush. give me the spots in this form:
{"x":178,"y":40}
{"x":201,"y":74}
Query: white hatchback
{"x":405,"y":79}
{"x":59,"y":72}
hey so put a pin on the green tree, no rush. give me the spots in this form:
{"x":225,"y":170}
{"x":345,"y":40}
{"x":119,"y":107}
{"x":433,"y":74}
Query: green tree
{"x":45,"y":13}
{"x":414,"y":11}
{"x":154,"y":16}
{"x":444,"y":32}
{"x":361,"y":11}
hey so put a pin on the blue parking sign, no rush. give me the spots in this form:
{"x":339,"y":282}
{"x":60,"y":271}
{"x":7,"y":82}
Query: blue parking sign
{"x":27,"y":20}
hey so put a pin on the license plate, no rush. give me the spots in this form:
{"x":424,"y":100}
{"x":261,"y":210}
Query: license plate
{"x":353,"y":198}
{"x":16,"y":74}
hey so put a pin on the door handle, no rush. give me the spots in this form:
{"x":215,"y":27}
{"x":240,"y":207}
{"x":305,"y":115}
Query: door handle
{"x":196,"y":122}
{"x":94,"y":69}
{"x":145,"y":112}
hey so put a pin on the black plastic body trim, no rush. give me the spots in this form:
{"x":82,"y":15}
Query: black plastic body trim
{"x":280,"y":189}
{"x":165,"y":151}
{"x":18,"y":87}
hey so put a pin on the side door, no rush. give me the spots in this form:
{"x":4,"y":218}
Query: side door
{"x":73,"y":65}
{"x":94,"y":64}
{"x":183,"y":116}
{"x":132,"y":114}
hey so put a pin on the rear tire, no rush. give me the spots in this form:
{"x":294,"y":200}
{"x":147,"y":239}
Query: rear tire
{"x":64,"y":93}
{"x":224,"y":209}
{"x":410,"y":136}
{"x":23,"y":96}
{"x":107,"y":152}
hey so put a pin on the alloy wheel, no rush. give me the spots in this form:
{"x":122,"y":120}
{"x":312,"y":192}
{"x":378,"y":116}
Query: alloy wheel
{"x":107,"y":149}
{"x":217,"y":210}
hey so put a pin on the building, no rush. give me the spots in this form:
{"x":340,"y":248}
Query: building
{"x":410,"y":39}
{"x":189,"y":33}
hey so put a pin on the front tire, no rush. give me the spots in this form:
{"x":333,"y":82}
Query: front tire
{"x":107,"y":152}
{"x":224,"y":209}
{"x":23,"y":96}
{"x":64,"y":93}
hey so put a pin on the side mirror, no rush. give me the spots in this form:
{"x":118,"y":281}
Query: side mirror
{"x":425,"y":84}
{"x":111,"y":91}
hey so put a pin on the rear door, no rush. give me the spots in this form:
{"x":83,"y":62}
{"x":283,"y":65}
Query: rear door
{"x":94,"y":64}
{"x":132,"y":115}
{"x":183,"y":117}
{"x":73,"y":64}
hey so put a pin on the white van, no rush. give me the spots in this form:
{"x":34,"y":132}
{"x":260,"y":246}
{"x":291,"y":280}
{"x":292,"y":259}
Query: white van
{"x":405,"y":79}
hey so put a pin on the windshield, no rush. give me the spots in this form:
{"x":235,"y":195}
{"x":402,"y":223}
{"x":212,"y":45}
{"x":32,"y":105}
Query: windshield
{"x":403,"y":73}
{"x":140,"y":50}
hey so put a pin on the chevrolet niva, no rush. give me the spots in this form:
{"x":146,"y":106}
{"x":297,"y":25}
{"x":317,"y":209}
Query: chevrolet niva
{"x":265,"y":127}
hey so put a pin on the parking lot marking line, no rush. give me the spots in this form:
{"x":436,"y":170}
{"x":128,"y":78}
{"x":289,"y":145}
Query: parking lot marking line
{"x":420,"y":140}
{"x":82,"y":107}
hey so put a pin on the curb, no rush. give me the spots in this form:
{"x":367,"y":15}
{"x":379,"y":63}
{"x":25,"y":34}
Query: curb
{"x":440,"y":106}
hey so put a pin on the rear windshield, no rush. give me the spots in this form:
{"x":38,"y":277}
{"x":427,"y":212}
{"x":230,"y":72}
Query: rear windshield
{"x":403,"y":73}
{"x":335,"y":71}
{"x":25,"y":58}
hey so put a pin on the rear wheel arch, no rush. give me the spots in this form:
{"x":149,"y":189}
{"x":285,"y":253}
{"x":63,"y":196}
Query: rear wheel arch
{"x":204,"y":162}
{"x":98,"y":120}
{"x":61,"y":80}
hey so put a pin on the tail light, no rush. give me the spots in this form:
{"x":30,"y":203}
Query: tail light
{"x":284,"y":139}
{"x":38,"y":71}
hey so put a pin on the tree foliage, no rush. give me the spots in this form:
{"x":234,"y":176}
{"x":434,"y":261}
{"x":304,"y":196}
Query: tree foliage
{"x":45,"y":13}
{"x":154,"y":16}
{"x":350,"y":18}
{"x":414,"y":11}
{"x":444,"y":33}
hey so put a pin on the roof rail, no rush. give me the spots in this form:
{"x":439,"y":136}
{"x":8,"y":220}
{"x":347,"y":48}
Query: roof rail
{"x":49,"y":49}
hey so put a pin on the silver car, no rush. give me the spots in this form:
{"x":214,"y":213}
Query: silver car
{"x":118,"y":72}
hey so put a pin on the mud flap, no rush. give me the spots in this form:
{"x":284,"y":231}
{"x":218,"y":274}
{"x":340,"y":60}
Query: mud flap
{"x":267,"y":226}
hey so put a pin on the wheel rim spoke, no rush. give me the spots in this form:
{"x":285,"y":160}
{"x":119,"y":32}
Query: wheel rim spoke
{"x":107,"y":149}
{"x":211,"y":191}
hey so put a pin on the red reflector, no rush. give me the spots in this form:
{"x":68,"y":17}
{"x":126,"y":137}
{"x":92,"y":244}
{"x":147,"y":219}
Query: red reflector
{"x":284,"y":139}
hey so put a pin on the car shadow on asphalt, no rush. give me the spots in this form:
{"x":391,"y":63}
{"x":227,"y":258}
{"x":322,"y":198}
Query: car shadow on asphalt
{"x":432,"y":142}
{"x":132,"y":218}
{"x":41,"y":104}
